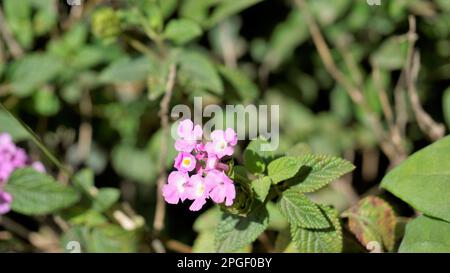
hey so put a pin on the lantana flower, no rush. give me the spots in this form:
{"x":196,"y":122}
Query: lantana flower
{"x":189,"y":135}
{"x":185,"y":162}
{"x":200,"y":174}
{"x":222,"y":143}
{"x":11,"y":159}
{"x":222,"y":187}
{"x":198,"y":191}
{"x":175,"y":189}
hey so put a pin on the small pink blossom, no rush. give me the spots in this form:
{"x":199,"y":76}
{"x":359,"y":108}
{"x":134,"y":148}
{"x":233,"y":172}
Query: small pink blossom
{"x":185,"y":162}
{"x":11,"y":157}
{"x":209,"y":180}
{"x":38,"y":166}
{"x":222,"y":143}
{"x":189,"y":136}
{"x":198,"y":191}
{"x":5,"y":202}
{"x":222,"y":187}
{"x":175,"y":189}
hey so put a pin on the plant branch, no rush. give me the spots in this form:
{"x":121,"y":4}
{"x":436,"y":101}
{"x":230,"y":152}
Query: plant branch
{"x":158,"y":223}
{"x":426,"y":123}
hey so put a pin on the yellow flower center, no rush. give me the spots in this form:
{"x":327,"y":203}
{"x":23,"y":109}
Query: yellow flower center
{"x":186,"y":162}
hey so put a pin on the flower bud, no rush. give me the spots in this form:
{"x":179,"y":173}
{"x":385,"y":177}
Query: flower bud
{"x":106,"y":25}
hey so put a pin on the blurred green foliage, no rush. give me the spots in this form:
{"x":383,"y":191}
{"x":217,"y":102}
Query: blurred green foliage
{"x":89,"y":80}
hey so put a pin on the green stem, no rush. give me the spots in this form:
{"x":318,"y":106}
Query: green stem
{"x":36,"y":140}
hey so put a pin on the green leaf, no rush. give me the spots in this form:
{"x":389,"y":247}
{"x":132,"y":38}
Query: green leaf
{"x":255,"y":159}
{"x":182,"y":31}
{"x":425,"y":234}
{"x":253,"y":162}
{"x":18,"y":17}
{"x":10,"y":125}
{"x":111,"y":239}
{"x":133,"y":164}
{"x":157,"y":77}
{"x":286,"y":37}
{"x":446,"y":106}
{"x":283,"y":168}
{"x":46,"y":102}
{"x":392,"y":54}
{"x":32,"y":72}
{"x":197,"y":72}
{"x":46,"y":17}
{"x":126,"y":70}
{"x":277,"y":221}
{"x":247,"y":90}
{"x":195,"y":9}
{"x":36,"y":193}
{"x":204,"y":243}
{"x":84,"y":180}
{"x":105,"y":198}
{"x":301,"y":212}
{"x":319,"y":240}
{"x":423,"y":180}
{"x":319,"y":170}
{"x":208,"y":220}
{"x":373,"y":219}
{"x":262,"y":186}
{"x":235,"y":232}
{"x":88,"y":218}
{"x":226,"y":9}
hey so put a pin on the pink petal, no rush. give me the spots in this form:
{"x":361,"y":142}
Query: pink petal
{"x":170,"y":194}
{"x":209,"y":148}
{"x":185,"y":128}
{"x":197,"y":204}
{"x":197,"y":133}
{"x":230,"y":193}
{"x":182,"y":145}
{"x":217,"y":194}
{"x":228,"y":151}
{"x":38,"y":166}
{"x":217,"y":135}
{"x":231,"y":136}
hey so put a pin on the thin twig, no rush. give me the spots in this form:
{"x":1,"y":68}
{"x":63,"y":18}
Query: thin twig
{"x":389,"y":148}
{"x":14,"y":48}
{"x":158,"y":223}
{"x":178,"y":246}
{"x":85,"y":131}
{"x":426,"y":123}
{"x":394,"y":131}
{"x":401,"y":110}
{"x":349,"y":61}
{"x":15,"y":227}
{"x":228,"y":45}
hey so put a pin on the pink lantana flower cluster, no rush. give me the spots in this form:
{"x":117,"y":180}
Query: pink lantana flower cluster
{"x":11,"y":158}
{"x":200,"y":173}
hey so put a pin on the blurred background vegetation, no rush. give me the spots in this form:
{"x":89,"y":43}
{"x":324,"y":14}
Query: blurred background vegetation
{"x":89,"y":80}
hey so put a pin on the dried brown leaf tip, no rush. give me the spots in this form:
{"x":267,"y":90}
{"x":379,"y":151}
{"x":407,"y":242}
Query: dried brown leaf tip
{"x":373,"y":220}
